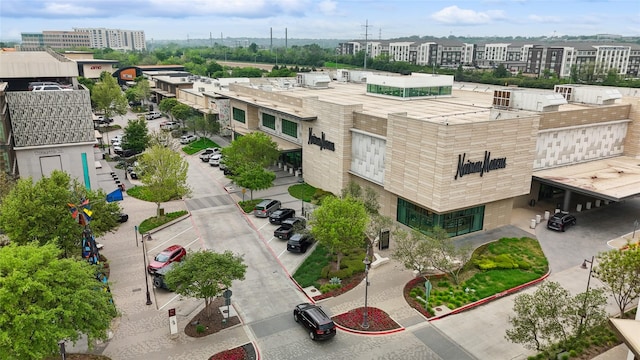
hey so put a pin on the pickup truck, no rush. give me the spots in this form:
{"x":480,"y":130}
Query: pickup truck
{"x":290,"y":226}
{"x":208,"y":152}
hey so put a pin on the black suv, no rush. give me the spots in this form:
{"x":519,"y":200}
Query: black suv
{"x":560,"y":221}
{"x":299,"y":242}
{"x":281,"y":214}
{"x":315,"y":320}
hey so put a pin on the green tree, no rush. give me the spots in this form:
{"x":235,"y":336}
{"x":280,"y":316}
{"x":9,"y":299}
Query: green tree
{"x":254,"y":177}
{"x":29,"y":210}
{"x":7,"y":182}
{"x":143,"y":89}
{"x":108,"y":98}
{"x":339,"y":224}
{"x":164,"y":174}
{"x":501,"y":72}
{"x":45,"y":299}
{"x":252,"y":149}
{"x":167,"y":104}
{"x":619,"y":271}
{"x":367,"y":196}
{"x":136,"y":135}
{"x":206,"y":274}
{"x":412,"y":250}
{"x":181,"y":112}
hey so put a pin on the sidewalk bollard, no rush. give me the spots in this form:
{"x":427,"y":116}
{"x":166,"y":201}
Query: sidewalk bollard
{"x":588,"y":207}
{"x":546,"y":215}
{"x":538,"y":219}
{"x":533,"y":223}
{"x":579,"y":207}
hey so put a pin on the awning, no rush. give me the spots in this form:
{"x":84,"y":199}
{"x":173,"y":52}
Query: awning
{"x":612,"y":179}
{"x":628,"y":330}
{"x":283,"y":145}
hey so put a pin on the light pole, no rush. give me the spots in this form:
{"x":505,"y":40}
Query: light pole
{"x":146,"y":276}
{"x":365,"y":314}
{"x":586,"y":294}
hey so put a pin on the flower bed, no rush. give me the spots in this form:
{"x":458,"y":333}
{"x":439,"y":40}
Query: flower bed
{"x":244,"y":352}
{"x":378,"y":320}
{"x":347,"y":285}
{"x":413,"y":302}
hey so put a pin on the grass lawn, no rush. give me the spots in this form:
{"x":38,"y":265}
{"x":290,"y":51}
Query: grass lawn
{"x":493,"y":268}
{"x":302,"y":191}
{"x":198,"y":145}
{"x":319,"y":267}
{"x":153,"y":222}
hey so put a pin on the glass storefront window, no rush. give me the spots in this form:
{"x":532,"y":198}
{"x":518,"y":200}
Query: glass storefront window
{"x":455,"y":223}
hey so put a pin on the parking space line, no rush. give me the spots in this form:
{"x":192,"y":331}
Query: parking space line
{"x":261,"y":227}
{"x":189,"y":244}
{"x":283,"y":251}
{"x":168,"y":302}
{"x":164,"y":242}
{"x":273,"y":237}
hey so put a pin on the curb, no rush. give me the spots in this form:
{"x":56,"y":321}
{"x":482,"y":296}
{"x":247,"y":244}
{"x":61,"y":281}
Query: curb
{"x":166,"y":225}
{"x":371,"y":333}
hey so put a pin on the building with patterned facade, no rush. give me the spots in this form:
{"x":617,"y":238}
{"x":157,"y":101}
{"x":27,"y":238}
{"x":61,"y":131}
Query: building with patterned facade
{"x":45,"y":131}
{"x":519,"y":56}
{"x":97,"y":38}
{"x":460,"y":156}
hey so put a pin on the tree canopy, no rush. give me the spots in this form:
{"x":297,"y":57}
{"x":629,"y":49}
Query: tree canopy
{"x":108,"y":98}
{"x":167,"y":104}
{"x":136,"y":135}
{"x":45,"y":299}
{"x":255,"y":148}
{"x":39,"y":211}
{"x":339,"y":224}
{"x":206,"y":274}
{"x":620,"y":273}
{"x":164,"y":174}
{"x":254,"y":177}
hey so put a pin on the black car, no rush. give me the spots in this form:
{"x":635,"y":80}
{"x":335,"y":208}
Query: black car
{"x":315,"y":320}
{"x":279,"y":215}
{"x":158,"y":277}
{"x":299,"y":242}
{"x":122,"y":217}
{"x":561,"y":221}
{"x":289,"y":227}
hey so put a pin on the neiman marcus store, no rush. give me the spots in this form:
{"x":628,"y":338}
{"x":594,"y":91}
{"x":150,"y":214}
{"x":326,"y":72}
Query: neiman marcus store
{"x":460,"y":157}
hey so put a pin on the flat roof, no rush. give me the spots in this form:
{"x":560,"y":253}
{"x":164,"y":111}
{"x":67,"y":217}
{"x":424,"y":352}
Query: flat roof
{"x":35,"y":64}
{"x":628,"y":329}
{"x":615,"y":179}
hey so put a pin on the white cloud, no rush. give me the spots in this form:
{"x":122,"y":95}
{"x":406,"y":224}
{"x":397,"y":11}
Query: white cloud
{"x":544,"y":19}
{"x":454,"y":15}
{"x":327,"y":7}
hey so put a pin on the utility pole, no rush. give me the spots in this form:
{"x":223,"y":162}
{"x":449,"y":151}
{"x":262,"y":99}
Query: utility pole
{"x":366,"y":42}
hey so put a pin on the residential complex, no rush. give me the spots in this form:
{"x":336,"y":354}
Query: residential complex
{"x":530,"y":58}
{"x":97,"y":38}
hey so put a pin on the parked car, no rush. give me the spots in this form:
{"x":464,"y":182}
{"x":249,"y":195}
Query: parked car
{"x":173,"y":253}
{"x":561,"y":221}
{"x":135,"y":103}
{"x":153,"y":115}
{"x":187,"y":139}
{"x":169,"y":125}
{"x":123,"y":218}
{"x":125,"y":152}
{"x":315,"y":320}
{"x":299,"y":242}
{"x":50,"y":88}
{"x":266,"y":207}
{"x":289,"y":227}
{"x":117,"y":139}
{"x":158,"y":276}
{"x":214,"y":160}
{"x":47,"y":83}
{"x":279,"y":215}
{"x":204,"y":156}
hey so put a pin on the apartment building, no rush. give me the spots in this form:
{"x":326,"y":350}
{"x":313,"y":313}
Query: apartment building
{"x":97,"y":38}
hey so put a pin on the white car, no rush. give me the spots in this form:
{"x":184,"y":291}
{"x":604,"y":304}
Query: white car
{"x":208,"y":152}
{"x":50,"y":88}
{"x":117,"y":139}
{"x":153,"y":115}
{"x":186,"y":139}
{"x":214,"y":160}
{"x":169,"y":125}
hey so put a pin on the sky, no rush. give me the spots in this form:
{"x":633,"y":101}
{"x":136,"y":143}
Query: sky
{"x":324,"y":19}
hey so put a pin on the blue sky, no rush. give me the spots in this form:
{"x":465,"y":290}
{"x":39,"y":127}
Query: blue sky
{"x":325,"y":19}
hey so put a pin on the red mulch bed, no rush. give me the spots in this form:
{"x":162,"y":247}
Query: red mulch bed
{"x":244,"y":352}
{"x":378,"y":320}
{"x":347,"y":284}
{"x":211,"y":324}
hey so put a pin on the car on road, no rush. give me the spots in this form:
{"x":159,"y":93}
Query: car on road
{"x":315,"y":320}
{"x":214,"y":160}
{"x":153,"y":115}
{"x":173,"y":253}
{"x":266,"y":207}
{"x":188,"y":139}
{"x":280,"y":215}
{"x":204,"y":156}
{"x":289,"y":227}
{"x":169,"y":125}
{"x":299,"y":242}
{"x":561,"y":221}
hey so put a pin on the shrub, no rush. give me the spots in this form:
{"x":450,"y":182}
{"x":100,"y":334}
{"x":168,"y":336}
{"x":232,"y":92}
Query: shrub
{"x":342,"y":273}
{"x":573,"y":353}
{"x":319,"y":195}
{"x":325,"y":288}
{"x":200,"y":328}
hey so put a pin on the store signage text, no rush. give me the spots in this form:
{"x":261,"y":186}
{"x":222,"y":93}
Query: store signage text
{"x":466,"y":166}
{"x":321,"y":141}
{"x":96,"y":67}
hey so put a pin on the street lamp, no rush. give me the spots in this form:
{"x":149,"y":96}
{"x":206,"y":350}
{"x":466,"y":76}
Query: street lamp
{"x":586,"y":295}
{"x":144,"y":257}
{"x":365,"y":314}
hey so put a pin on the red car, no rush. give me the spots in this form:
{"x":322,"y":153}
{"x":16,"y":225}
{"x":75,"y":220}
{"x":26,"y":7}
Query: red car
{"x":173,"y":253}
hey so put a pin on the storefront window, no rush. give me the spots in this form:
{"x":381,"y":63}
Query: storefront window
{"x":290,"y":128}
{"x":455,"y":223}
{"x":269,"y":121}
{"x":239,"y":115}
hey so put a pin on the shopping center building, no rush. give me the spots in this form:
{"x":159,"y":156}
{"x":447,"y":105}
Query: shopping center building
{"x":459,"y":156}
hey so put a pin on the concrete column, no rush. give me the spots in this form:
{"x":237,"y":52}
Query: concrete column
{"x":567,"y":200}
